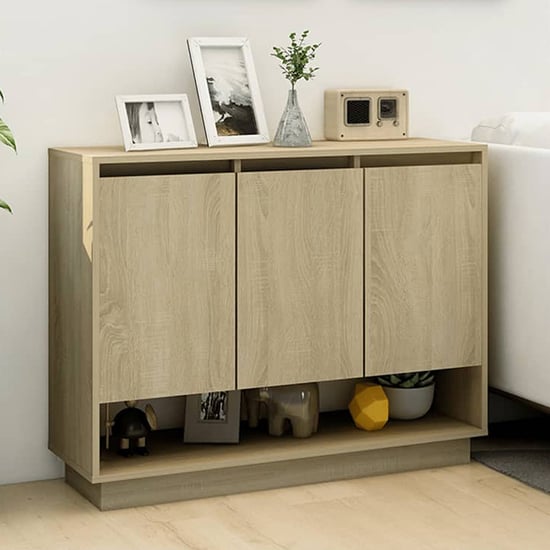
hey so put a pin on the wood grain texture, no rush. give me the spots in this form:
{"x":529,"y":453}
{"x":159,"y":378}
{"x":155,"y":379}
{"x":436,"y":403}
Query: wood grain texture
{"x":70,"y":314}
{"x":461,"y":394}
{"x":318,"y":149}
{"x":424,"y":247}
{"x":270,"y":475}
{"x":484,"y":378}
{"x":162,"y":293}
{"x":465,"y":507}
{"x":337,"y":435}
{"x":92,"y":188}
{"x":166,"y":252}
{"x":300,"y":278}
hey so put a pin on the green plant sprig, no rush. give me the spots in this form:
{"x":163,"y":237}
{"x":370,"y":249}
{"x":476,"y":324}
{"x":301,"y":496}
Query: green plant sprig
{"x":6,"y":137}
{"x":296,"y":58}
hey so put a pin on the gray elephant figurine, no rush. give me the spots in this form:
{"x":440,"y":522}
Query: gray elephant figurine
{"x":298,"y":403}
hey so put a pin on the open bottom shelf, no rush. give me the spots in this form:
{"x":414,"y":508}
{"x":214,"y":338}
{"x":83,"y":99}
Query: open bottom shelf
{"x":337,"y":435}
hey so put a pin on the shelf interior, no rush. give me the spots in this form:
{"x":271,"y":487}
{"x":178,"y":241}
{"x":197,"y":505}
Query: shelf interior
{"x":337,"y":435}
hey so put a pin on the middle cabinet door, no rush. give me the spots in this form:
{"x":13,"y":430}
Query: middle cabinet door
{"x":299,"y":276}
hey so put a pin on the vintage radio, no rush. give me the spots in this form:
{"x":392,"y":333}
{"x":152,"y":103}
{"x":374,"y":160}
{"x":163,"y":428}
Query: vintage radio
{"x":366,"y":114}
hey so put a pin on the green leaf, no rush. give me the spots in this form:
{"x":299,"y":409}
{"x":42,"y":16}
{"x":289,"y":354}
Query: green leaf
{"x":395,"y":380}
{"x":410,"y":383}
{"x":6,"y":137}
{"x":296,"y":57}
{"x":426,"y":379}
{"x":1,"y":96}
{"x":5,"y":206}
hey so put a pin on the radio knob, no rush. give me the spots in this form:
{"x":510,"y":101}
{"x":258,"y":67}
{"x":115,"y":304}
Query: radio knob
{"x":396,"y":123}
{"x":379,"y":124}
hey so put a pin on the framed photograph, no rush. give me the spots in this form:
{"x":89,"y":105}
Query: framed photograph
{"x":212,"y":417}
{"x":228,"y":90}
{"x":156,"y":122}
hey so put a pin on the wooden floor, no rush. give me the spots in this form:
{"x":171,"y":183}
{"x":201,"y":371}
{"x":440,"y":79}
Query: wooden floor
{"x":461,"y":507}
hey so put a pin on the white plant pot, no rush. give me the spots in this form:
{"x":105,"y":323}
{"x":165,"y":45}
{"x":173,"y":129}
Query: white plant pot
{"x":409,"y":403}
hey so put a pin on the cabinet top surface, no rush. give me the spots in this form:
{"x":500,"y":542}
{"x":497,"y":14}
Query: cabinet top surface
{"x":318,"y":149}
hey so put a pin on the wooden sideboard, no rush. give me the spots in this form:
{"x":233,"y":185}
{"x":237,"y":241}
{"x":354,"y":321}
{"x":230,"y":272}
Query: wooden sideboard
{"x":186,"y":271}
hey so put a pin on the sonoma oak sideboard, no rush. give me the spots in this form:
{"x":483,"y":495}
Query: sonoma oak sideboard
{"x":187,"y":271}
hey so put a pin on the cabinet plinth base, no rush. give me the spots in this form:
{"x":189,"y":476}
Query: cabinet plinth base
{"x":170,"y":488}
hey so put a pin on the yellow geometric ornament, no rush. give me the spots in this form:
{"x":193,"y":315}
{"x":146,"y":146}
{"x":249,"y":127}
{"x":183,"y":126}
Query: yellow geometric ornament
{"x":369,"y":407}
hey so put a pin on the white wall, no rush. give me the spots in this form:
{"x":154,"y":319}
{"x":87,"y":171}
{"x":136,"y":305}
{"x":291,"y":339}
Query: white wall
{"x":62,"y":62}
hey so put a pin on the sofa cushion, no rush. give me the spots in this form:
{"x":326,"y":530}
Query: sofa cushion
{"x":527,"y":129}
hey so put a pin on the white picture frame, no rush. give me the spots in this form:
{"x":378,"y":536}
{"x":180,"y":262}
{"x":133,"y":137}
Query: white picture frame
{"x":158,"y":121}
{"x":208,"y":419}
{"x":228,"y":90}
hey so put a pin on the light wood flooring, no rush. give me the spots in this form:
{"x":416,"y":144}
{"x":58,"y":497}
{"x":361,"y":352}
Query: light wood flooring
{"x":460,"y":507}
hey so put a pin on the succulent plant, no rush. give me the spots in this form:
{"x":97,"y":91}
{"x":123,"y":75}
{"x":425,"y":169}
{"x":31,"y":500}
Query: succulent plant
{"x":407,"y":380}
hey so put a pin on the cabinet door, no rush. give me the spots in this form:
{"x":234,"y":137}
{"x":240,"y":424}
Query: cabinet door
{"x":423,"y":268}
{"x":165,"y":247}
{"x":300,"y":276}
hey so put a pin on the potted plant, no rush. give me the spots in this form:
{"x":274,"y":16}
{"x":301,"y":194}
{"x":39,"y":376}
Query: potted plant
{"x":295,"y":59}
{"x":410,"y":395}
{"x":6,"y":137}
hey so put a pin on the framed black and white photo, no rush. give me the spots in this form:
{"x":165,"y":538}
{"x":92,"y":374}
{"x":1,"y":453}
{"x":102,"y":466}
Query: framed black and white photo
{"x":212,"y":417}
{"x":156,"y":122}
{"x":228,"y":90}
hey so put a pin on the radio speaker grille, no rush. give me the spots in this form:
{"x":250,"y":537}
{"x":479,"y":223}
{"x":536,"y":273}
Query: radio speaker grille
{"x":357,"y":111}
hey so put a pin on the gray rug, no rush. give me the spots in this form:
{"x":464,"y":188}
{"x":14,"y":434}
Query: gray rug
{"x":531,"y":467}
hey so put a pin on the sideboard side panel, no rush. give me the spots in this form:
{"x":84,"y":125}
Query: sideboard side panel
{"x":70,"y":313}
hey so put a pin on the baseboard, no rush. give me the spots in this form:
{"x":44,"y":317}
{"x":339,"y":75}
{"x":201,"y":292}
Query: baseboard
{"x":170,"y":488}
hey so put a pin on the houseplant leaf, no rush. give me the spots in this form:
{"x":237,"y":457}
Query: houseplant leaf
{"x":6,"y":137}
{"x":5,"y":206}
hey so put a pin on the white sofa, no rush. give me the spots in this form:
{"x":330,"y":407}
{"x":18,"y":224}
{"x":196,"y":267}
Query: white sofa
{"x":519,"y":253}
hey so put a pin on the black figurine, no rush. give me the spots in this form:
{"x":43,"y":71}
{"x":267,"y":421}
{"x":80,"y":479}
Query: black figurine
{"x":133,"y":425}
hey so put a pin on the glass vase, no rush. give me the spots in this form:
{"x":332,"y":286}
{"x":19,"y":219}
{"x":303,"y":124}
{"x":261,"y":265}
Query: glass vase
{"x":292,"y":130}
